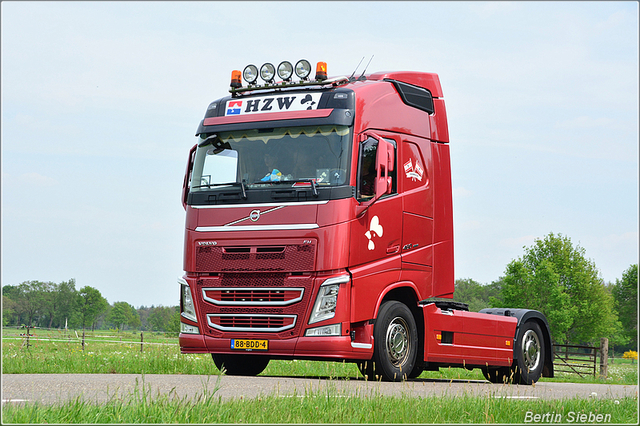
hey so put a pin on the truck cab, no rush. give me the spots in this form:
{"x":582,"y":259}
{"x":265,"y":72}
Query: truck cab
{"x":319,"y":225}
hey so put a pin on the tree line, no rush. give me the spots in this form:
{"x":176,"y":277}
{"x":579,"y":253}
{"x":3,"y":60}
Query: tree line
{"x":555,"y":277}
{"x":60,"y":305}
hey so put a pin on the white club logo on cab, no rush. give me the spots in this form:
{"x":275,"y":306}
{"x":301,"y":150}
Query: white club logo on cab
{"x":375,"y":229}
{"x":413,"y":171}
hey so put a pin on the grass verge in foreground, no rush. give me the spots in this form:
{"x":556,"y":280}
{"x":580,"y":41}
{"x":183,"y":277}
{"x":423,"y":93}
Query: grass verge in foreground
{"x":328,"y":406}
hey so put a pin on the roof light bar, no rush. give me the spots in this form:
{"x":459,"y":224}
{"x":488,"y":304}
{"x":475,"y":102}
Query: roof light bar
{"x":285,"y":71}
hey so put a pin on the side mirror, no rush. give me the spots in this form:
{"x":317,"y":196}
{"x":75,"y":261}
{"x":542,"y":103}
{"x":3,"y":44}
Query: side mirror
{"x":187,"y":175}
{"x":384,"y":165}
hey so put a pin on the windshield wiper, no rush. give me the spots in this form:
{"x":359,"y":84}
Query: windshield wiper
{"x":312,"y":181}
{"x":240,"y":184}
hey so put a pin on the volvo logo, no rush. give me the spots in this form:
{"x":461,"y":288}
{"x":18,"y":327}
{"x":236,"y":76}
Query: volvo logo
{"x":254,"y":215}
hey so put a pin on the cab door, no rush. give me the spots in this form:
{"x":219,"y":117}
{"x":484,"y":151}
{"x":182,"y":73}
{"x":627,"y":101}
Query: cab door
{"x":376,"y":233}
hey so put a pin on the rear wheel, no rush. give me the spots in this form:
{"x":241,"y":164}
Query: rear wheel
{"x":395,"y":343}
{"x":240,"y":365}
{"x":497,"y":374}
{"x":530,"y":351}
{"x":418,"y":368}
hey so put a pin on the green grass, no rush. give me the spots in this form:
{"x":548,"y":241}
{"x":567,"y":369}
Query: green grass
{"x":112,"y":352}
{"x":328,"y":406}
{"x":106,"y":353}
{"x":53,"y":356}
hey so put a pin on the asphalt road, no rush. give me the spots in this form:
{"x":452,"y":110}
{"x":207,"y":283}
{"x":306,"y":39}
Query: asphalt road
{"x":57,"y":388}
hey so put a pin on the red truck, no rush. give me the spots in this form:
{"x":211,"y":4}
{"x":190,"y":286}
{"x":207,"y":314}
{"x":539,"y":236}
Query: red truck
{"x":319,"y":226}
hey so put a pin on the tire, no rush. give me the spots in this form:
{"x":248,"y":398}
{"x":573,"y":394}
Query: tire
{"x":240,"y":365}
{"x":497,"y":374}
{"x":418,"y":368}
{"x":367,"y":370}
{"x":395,"y":342}
{"x":530,"y":354}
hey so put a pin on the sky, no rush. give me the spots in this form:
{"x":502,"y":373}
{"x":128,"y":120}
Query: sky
{"x":101,"y":102}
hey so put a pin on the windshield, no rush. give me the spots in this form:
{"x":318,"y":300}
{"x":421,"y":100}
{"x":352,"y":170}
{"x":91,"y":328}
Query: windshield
{"x":283,"y":155}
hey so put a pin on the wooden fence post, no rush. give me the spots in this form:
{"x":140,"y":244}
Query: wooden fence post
{"x":604,"y":356}
{"x":141,"y":341}
{"x":83,"y":339}
{"x":28,"y":335}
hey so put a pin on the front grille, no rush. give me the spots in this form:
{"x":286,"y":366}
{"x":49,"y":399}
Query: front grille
{"x":254,"y":302}
{"x":253,"y":280}
{"x":285,"y":258}
{"x":257,"y":296}
{"x":251,"y":322}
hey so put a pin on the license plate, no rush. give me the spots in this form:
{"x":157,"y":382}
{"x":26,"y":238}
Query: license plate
{"x":250,"y":344}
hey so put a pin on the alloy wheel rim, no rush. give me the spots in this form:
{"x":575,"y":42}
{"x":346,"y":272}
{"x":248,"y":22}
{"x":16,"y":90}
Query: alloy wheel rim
{"x":398,"y":341}
{"x":531,"y":350}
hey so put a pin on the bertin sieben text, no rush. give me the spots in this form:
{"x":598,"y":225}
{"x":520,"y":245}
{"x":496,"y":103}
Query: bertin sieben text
{"x":570,"y":417}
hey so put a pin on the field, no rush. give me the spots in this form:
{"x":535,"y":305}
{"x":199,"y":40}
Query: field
{"x":112,"y":352}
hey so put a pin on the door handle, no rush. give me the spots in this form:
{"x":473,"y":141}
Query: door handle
{"x":393,"y":249}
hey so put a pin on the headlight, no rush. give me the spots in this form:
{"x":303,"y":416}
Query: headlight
{"x":187,"y":308}
{"x":327,"y":298}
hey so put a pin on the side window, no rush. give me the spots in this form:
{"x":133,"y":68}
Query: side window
{"x":367,"y":169}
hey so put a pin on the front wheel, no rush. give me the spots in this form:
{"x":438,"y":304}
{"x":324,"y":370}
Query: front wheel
{"x":366,"y":369}
{"x":240,"y":365}
{"x":395,"y":342}
{"x":530,"y":351}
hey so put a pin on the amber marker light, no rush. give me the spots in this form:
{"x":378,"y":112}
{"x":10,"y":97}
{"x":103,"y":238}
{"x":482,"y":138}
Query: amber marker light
{"x":321,"y":71}
{"x":236,"y":79}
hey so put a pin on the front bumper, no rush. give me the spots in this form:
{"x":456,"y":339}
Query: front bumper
{"x":330,"y":348}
